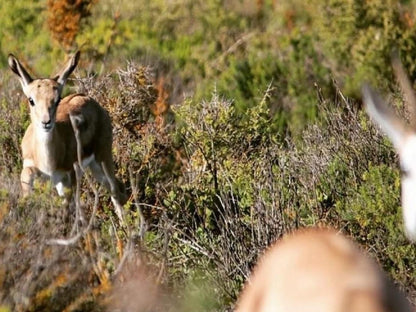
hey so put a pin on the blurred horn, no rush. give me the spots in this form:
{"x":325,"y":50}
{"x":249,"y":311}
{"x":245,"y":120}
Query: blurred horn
{"x":407,"y":89}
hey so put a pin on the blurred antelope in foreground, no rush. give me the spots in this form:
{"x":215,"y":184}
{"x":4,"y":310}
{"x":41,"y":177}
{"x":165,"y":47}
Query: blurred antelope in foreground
{"x":403,"y":137}
{"x":319,"y":270}
{"x":63,"y":130}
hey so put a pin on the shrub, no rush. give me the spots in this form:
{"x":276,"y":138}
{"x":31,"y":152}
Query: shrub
{"x":13,"y":113}
{"x":224,"y":173}
{"x":50,"y":260}
{"x":366,"y":35}
{"x":65,"y":18}
{"x":23,"y":29}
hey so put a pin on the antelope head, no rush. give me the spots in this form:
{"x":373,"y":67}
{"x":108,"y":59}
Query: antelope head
{"x":43,"y":95}
{"x":403,"y":137}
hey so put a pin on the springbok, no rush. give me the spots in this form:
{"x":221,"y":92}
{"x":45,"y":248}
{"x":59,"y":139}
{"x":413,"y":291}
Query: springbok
{"x":403,"y":137}
{"x":319,"y":270}
{"x":50,"y":144}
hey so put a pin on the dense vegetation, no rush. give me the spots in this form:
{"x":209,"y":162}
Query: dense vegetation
{"x":235,"y":122}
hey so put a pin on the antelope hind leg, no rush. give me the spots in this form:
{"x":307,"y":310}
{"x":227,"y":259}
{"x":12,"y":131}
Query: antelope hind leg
{"x":112,"y":184}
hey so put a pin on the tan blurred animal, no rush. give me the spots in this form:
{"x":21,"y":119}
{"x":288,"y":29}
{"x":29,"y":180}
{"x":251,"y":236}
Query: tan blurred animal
{"x":319,"y":270}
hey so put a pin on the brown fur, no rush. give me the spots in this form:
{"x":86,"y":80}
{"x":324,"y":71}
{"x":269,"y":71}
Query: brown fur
{"x":319,"y":270}
{"x":94,"y":130}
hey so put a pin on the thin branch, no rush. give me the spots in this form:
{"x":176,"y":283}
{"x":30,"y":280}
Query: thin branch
{"x":74,"y":122}
{"x":78,"y":173}
{"x":143,"y":224}
{"x":126,"y":253}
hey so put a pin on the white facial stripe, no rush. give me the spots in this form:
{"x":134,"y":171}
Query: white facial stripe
{"x":45,"y":94}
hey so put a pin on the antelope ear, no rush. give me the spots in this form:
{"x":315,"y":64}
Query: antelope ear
{"x":385,"y":117}
{"x":407,"y":88}
{"x":68,"y":69}
{"x":19,"y":70}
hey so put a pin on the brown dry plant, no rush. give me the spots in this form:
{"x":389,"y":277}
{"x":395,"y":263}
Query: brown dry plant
{"x":65,"y":18}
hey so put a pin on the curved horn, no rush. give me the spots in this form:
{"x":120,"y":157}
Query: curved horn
{"x":407,"y":89}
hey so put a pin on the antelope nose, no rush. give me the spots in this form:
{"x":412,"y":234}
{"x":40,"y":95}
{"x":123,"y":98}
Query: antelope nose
{"x":45,"y":118}
{"x":47,"y":124}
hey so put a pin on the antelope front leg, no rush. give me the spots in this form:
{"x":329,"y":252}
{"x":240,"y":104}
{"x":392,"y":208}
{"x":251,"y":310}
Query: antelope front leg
{"x":26,"y":179}
{"x":63,"y":184}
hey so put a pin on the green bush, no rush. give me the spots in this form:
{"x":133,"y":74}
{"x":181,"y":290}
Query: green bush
{"x":374,"y":218}
{"x":359,"y":37}
{"x":23,"y":30}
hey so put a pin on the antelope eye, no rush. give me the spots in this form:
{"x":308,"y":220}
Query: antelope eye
{"x":31,"y":102}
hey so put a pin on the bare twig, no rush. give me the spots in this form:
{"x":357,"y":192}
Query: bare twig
{"x":232,"y":49}
{"x":113,"y":186}
{"x":142,"y":226}
{"x":128,"y":251}
{"x":74,"y":122}
{"x":78,"y":215}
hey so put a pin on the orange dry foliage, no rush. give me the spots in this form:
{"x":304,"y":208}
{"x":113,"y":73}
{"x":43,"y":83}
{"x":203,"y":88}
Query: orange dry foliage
{"x":260,"y":5}
{"x":64,"y":19}
{"x":161,"y":105}
{"x":408,"y":19}
{"x":290,"y":16}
